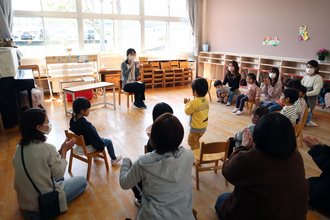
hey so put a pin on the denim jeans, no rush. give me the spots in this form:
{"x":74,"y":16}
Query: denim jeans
{"x":220,"y":200}
{"x":109,"y":146}
{"x":240,"y":101}
{"x":231,"y":96}
{"x":74,"y":187}
{"x":309,"y":117}
{"x":273,"y":106}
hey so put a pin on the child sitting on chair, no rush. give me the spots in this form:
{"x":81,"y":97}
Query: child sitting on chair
{"x":252,"y":94}
{"x":236,"y":141}
{"x":222,"y":91}
{"x":80,"y":126}
{"x":288,"y":98}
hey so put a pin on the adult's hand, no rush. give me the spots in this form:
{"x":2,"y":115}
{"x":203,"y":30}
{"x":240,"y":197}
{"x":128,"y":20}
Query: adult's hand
{"x":267,"y":81}
{"x":138,"y":65}
{"x":311,"y":141}
{"x":247,"y":140}
{"x":67,"y":145}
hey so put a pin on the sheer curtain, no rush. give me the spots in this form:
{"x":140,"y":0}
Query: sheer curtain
{"x":6,"y":18}
{"x":192,"y":12}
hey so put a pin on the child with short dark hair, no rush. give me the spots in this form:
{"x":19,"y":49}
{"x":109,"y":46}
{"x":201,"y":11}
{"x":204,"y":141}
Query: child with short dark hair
{"x":80,"y":126}
{"x":236,"y":141}
{"x":198,"y":110}
{"x":253,"y":93}
{"x":222,"y":91}
{"x":288,"y":98}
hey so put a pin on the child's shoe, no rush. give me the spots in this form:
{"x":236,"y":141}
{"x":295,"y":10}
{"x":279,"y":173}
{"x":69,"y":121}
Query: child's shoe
{"x":218,"y":100}
{"x":228,"y":104}
{"x":311,"y":124}
{"x":119,"y":158}
{"x":235,"y":110}
{"x":238,"y":113}
{"x":96,"y":158}
{"x":137,"y":202}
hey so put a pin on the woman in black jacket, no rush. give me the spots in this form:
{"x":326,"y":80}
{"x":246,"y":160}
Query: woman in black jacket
{"x":319,"y":193}
{"x":233,"y":79}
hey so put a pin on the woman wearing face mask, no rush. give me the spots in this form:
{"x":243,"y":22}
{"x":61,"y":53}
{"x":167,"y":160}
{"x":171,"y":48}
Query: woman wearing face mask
{"x":43,"y":163}
{"x":130,"y":71}
{"x":314,"y":83}
{"x":233,"y":78}
{"x":273,"y":86}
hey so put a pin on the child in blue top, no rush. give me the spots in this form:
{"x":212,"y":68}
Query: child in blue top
{"x":80,"y":126}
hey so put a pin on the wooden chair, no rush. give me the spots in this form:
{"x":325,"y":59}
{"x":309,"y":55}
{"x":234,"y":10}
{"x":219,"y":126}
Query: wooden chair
{"x":183,"y":64}
{"x":210,"y":86}
{"x":155,"y":65}
{"x":168,"y":77}
{"x":250,"y":105}
{"x":145,"y":149}
{"x":80,"y":142}
{"x":178,"y":76}
{"x":147,"y":75}
{"x":210,"y":153}
{"x":143,"y":60}
{"x":174,"y":64}
{"x":158,"y":77}
{"x":299,"y":132}
{"x":128,"y":94}
{"x":165,"y":65}
{"x":187,"y":75}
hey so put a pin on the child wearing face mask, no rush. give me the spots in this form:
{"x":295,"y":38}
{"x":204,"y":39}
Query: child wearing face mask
{"x":314,"y":83}
{"x":253,"y":93}
{"x":273,"y":86}
{"x":80,"y":126}
{"x":236,"y":141}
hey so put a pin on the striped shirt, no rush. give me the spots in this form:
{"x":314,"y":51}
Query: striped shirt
{"x":291,"y":113}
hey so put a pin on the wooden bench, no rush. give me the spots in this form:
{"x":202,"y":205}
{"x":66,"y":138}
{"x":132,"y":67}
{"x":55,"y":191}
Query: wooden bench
{"x":74,"y":89}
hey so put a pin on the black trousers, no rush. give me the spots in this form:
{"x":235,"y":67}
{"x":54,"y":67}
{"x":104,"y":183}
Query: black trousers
{"x":138,"y":88}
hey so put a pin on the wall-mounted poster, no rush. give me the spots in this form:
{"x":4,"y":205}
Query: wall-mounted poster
{"x":269,"y":41}
{"x":303,"y":33}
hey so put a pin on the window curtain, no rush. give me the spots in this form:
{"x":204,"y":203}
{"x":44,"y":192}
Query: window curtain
{"x":6,"y":18}
{"x":192,"y":12}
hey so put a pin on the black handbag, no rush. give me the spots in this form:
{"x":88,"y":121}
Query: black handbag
{"x":49,"y":204}
{"x":243,"y":81}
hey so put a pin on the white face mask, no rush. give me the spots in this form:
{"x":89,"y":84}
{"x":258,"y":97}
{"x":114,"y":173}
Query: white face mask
{"x":272,"y":75}
{"x":309,"y":71}
{"x":131,"y":58}
{"x":231,"y":68}
{"x":49,"y":128}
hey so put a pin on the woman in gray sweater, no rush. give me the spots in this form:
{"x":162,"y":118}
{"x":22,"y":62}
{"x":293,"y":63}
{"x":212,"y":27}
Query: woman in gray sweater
{"x":43,"y":163}
{"x":130,"y":71}
{"x":165,"y":173}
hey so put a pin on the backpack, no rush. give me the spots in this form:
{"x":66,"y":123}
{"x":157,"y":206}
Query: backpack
{"x":325,"y":89}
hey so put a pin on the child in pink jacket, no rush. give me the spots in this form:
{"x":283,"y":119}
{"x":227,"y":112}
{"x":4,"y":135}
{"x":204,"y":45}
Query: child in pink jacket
{"x":252,"y":94}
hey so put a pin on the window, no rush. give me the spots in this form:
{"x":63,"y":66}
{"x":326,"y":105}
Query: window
{"x":61,"y":34}
{"x":50,"y":27}
{"x":28,"y":36}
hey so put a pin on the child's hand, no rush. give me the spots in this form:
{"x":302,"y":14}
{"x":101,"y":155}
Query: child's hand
{"x":267,"y":82}
{"x":185,"y":100}
{"x":223,"y":95}
{"x":247,"y":140}
{"x":311,"y":141}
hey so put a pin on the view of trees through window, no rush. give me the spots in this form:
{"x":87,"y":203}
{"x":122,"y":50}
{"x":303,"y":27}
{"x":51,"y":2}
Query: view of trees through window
{"x":101,"y":26}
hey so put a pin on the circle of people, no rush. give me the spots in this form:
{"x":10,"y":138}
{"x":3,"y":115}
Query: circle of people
{"x":263,"y":163}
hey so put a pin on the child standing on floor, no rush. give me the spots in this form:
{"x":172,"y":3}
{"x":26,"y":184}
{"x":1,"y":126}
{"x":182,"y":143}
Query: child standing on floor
{"x":80,"y":126}
{"x":288,"y":98}
{"x":236,"y":141}
{"x":222,"y":91}
{"x":252,"y":94}
{"x":198,"y":110}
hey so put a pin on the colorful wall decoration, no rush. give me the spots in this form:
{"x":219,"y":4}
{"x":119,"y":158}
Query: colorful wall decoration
{"x":269,"y":41}
{"x":303,"y":33}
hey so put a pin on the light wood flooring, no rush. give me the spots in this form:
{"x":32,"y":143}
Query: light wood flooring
{"x":103,"y":198}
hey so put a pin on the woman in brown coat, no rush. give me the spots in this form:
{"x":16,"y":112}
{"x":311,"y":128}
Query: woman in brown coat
{"x":268,"y":175}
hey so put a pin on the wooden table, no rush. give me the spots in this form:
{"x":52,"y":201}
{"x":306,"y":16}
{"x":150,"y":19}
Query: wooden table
{"x":74,"y":89}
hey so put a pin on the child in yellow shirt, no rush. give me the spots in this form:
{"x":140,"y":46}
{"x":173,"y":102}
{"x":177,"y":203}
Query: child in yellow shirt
{"x":198,"y":110}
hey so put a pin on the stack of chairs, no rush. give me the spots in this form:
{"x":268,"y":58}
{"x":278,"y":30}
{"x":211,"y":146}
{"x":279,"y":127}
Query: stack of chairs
{"x":158,"y":77}
{"x":187,"y":72}
{"x":168,"y":74}
{"x":147,"y":73}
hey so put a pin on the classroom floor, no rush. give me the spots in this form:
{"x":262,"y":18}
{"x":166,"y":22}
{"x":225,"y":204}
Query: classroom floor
{"x":103,"y":198}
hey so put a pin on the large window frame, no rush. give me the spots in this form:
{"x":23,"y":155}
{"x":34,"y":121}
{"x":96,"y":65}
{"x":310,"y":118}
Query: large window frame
{"x":80,"y":16}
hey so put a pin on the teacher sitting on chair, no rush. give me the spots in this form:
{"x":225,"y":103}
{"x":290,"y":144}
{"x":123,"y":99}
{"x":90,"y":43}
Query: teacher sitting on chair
{"x":130,"y":71}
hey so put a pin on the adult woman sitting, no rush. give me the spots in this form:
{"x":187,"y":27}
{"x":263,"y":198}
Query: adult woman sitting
{"x":165,"y":173}
{"x":268,"y":176}
{"x":43,"y":163}
{"x":233,"y":79}
{"x":130,"y":71}
{"x":272,"y":86}
{"x":314,"y":83}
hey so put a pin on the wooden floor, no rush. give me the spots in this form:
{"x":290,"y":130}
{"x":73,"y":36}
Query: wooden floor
{"x":103,"y":198}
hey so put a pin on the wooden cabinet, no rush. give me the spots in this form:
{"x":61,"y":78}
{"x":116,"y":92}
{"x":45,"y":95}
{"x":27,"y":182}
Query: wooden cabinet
{"x":111,"y":76}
